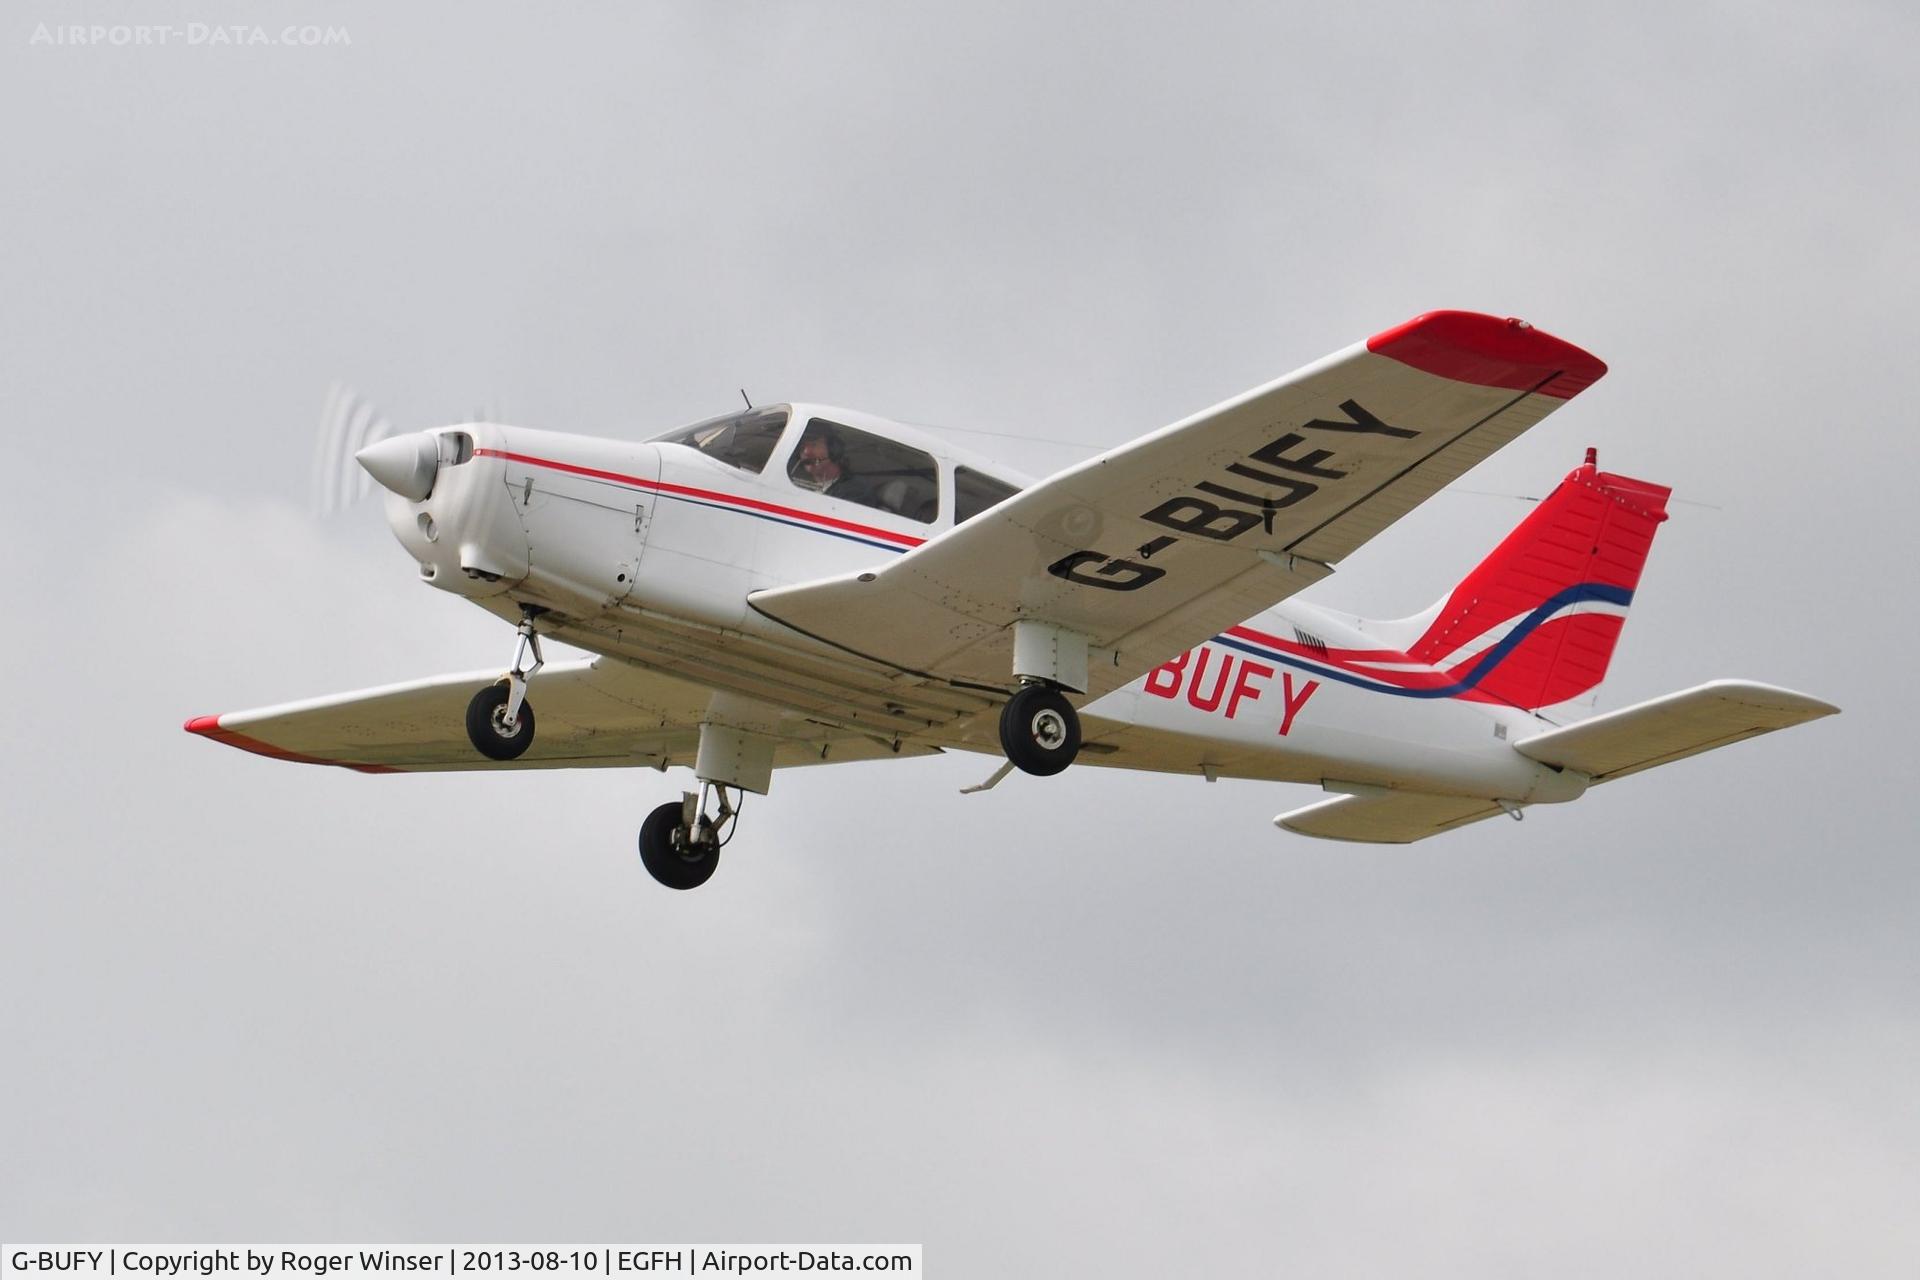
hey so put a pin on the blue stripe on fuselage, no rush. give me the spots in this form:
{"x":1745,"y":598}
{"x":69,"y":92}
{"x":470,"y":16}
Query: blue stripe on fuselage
{"x":1488,"y":661}
{"x":790,"y":523}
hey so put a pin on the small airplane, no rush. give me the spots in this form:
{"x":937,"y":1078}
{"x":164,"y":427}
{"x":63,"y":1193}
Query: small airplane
{"x":796,"y":584}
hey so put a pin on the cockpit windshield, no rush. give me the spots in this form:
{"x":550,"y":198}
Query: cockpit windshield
{"x":744,"y":440}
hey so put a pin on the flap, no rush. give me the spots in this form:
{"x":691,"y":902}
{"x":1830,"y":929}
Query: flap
{"x":1155,"y":546}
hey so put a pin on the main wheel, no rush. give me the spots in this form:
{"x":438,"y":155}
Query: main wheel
{"x":1039,"y":731}
{"x":487,"y":729}
{"x":670,"y":857}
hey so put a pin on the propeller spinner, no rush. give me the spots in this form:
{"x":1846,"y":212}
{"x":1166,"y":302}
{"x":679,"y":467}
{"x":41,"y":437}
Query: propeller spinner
{"x":406,"y":464}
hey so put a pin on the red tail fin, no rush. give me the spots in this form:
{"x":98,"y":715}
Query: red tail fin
{"x":1535,"y":624}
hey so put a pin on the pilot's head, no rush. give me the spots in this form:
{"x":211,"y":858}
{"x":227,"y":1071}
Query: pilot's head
{"x":821,"y":458}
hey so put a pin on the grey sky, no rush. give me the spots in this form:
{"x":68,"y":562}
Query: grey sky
{"x":1098,"y":1024}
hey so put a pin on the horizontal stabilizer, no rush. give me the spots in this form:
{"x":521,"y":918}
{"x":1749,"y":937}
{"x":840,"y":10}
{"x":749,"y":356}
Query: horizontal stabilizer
{"x":1672,"y":728}
{"x":1386,"y":817}
{"x":1605,"y":747}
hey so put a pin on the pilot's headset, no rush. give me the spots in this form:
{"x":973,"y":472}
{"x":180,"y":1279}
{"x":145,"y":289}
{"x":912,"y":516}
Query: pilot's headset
{"x":836,"y":451}
{"x":836,"y":448}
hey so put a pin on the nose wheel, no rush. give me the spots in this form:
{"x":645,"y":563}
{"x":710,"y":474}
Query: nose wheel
{"x":492,"y":734}
{"x":1039,"y":730}
{"x":680,"y":842}
{"x":499,"y":718}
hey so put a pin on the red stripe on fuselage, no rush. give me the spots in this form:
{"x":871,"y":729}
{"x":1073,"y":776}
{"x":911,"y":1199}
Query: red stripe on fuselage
{"x":708,"y":495}
{"x":1360,"y":662}
{"x":1312,"y":651}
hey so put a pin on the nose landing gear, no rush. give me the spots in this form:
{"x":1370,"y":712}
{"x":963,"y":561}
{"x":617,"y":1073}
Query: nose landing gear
{"x":500,"y":719}
{"x":494,"y":735}
{"x":680,"y":843}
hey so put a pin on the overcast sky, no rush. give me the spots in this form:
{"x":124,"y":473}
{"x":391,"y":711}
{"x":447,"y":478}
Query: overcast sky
{"x":1098,"y":1024}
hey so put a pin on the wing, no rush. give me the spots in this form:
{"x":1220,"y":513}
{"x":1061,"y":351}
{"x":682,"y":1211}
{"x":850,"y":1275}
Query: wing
{"x":1155,"y":546}
{"x":589,"y":713}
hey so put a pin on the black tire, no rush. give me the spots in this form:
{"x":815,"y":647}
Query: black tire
{"x":491,"y":738}
{"x":1039,"y":731}
{"x":664,"y":850}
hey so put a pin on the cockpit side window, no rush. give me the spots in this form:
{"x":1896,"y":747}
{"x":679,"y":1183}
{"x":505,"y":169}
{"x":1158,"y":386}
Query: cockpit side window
{"x":975,"y":491}
{"x":858,"y":466}
{"x":743,"y":440}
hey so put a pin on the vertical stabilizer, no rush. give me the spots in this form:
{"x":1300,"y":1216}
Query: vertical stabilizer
{"x":1536,"y":622}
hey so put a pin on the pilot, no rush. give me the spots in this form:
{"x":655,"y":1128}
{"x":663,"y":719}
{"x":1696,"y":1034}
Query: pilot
{"x":821,"y":463}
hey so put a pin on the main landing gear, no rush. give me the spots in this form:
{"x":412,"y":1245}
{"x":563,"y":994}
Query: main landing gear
{"x":680,"y":842}
{"x":500,"y":719}
{"x":1039,"y":730}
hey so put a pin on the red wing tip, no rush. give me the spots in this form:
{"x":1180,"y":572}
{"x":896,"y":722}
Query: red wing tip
{"x":209,"y":727}
{"x":1489,"y":351}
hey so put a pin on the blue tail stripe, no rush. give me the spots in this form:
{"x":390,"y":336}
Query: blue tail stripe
{"x":1488,"y":661}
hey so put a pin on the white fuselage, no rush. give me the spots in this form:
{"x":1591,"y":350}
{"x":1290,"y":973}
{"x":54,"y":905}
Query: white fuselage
{"x":648,"y":552}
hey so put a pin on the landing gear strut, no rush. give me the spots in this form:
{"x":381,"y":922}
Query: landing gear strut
{"x":1039,"y":730}
{"x":680,"y":842}
{"x":500,"y":719}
